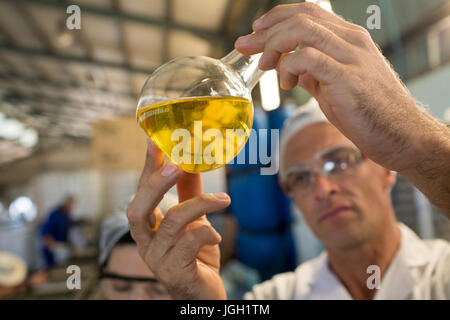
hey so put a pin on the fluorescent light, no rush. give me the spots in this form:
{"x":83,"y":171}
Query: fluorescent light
{"x":325,"y":4}
{"x":29,"y":138}
{"x":270,"y":94}
{"x":11,"y":129}
{"x":22,"y":208}
{"x":447,"y":115}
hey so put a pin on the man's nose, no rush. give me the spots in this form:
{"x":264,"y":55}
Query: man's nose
{"x":324,"y":187}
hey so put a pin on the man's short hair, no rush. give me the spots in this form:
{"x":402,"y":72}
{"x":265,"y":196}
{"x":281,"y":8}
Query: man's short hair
{"x":305,"y":115}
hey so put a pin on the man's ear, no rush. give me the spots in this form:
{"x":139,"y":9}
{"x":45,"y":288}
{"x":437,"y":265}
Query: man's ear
{"x":391,"y":178}
{"x":283,"y":188}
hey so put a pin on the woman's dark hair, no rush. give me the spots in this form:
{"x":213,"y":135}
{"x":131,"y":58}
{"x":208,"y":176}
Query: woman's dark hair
{"x":126,"y":239}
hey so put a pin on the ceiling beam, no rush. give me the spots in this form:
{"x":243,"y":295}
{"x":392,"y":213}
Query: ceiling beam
{"x":10,"y":40}
{"x":57,"y":85}
{"x":122,"y":36}
{"x":212,"y":37}
{"x":254,"y":9}
{"x":36,"y":100}
{"x":71,"y":58}
{"x":224,"y":24}
{"x":36,"y":28}
{"x":123,"y":46}
{"x":166,"y":31}
{"x":419,"y":28}
{"x":81,"y":36}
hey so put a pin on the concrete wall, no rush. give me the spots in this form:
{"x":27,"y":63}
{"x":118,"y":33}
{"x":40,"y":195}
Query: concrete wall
{"x":433,"y":90}
{"x":48,"y":177}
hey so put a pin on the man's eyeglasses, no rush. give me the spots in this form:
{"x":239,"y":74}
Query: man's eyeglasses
{"x":332,"y":163}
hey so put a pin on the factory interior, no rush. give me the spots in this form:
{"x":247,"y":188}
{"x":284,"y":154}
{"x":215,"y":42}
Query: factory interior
{"x":69,"y":138}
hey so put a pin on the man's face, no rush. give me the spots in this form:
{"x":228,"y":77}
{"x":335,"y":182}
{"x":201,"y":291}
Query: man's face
{"x":343,"y":211}
{"x":69,"y":204}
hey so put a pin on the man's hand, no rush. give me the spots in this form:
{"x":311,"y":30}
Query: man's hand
{"x":181,"y":248}
{"x":338,"y":64}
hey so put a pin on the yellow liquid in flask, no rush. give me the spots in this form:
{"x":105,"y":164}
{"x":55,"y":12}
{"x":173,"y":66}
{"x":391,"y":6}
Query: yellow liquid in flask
{"x":199,"y":133}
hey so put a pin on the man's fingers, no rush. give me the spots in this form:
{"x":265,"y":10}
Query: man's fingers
{"x":189,"y":245}
{"x":311,"y":61}
{"x":297,"y":31}
{"x":179,"y":216}
{"x":189,"y":186}
{"x":154,"y":159}
{"x":140,"y":212}
{"x":283,"y":12}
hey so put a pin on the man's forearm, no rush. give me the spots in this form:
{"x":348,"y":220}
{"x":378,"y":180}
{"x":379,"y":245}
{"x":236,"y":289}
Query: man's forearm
{"x":430,"y":170}
{"x":404,"y":137}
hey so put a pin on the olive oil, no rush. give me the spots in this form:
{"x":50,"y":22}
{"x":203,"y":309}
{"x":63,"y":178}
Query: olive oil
{"x":199,"y":133}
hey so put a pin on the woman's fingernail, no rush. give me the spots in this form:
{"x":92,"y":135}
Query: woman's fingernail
{"x":169,"y":169}
{"x":221,"y":196}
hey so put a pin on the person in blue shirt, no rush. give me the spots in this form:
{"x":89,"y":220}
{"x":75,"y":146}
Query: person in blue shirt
{"x":55,"y":229}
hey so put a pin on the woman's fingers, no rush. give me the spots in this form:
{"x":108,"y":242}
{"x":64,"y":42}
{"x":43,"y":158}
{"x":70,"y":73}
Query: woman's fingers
{"x":154,"y":159}
{"x":189,"y":245}
{"x":179,"y":216}
{"x":189,"y":186}
{"x":140,"y":212}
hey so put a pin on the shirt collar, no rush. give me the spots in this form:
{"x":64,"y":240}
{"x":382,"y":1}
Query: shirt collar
{"x":413,"y":250}
{"x":397,"y":282}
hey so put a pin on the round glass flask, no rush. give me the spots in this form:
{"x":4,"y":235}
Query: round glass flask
{"x":199,"y":110}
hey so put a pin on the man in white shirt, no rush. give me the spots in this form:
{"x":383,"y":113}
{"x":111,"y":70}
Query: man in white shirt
{"x":345,"y":199}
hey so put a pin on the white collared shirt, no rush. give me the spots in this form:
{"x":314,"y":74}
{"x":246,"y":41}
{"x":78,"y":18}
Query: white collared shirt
{"x":419,"y":270}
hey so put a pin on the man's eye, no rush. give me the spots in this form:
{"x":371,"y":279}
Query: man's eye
{"x":336,"y":165}
{"x":329,"y":166}
{"x":301,"y":178}
{"x":159,"y":289}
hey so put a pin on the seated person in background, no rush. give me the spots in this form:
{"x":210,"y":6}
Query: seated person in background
{"x":123,"y":273}
{"x":55,"y":230}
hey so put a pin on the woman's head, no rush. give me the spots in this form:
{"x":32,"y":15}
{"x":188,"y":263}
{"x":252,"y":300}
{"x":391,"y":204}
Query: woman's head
{"x":125,"y":275}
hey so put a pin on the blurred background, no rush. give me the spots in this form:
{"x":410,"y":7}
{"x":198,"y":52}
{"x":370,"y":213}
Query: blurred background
{"x":68,"y":129}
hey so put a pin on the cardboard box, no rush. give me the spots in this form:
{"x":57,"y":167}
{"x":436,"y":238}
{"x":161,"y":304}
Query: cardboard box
{"x":118,"y":144}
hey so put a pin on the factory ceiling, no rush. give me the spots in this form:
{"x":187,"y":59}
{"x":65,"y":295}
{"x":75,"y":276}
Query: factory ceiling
{"x":58,"y":81}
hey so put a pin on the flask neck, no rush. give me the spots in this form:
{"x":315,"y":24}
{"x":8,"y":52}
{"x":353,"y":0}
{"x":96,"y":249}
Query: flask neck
{"x":245,"y":66}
